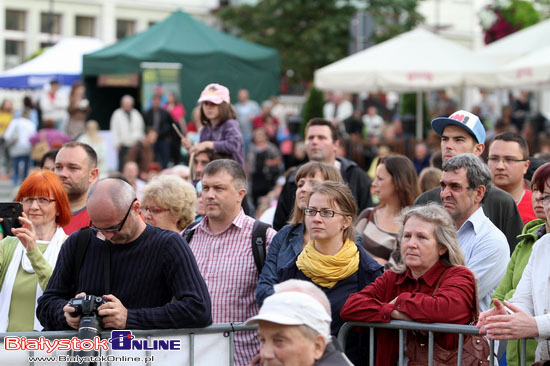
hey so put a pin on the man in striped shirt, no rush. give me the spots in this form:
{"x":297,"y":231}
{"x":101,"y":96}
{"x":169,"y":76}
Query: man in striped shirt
{"x":221,"y":243}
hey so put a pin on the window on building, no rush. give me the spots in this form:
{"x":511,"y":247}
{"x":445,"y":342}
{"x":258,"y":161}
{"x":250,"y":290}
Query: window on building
{"x":85,"y":26}
{"x":50,"y":23}
{"x":15,"y":53}
{"x":152,"y":24}
{"x":124,"y":28}
{"x":15,"y":20}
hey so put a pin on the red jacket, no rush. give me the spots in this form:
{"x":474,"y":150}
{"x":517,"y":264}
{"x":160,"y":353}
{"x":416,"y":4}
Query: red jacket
{"x":452,"y":303}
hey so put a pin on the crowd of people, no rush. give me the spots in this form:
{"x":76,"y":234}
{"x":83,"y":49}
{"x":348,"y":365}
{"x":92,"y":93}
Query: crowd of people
{"x":453,"y":239}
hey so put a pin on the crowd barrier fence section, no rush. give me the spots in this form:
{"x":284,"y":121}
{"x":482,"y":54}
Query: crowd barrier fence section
{"x":431,"y":328}
{"x":212,"y":345}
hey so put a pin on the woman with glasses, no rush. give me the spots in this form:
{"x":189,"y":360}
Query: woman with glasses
{"x":532,"y":231}
{"x":331,"y":259}
{"x":290,"y":240}
{"x":27,"y":259}
{"x":396,"y":185}
{"x":169,"y":202}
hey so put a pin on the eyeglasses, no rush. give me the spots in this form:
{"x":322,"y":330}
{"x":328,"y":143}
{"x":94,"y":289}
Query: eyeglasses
{"x":42,"y":201}
{"x":324,"y":213}
{"x":455,"y":187}
{"x":153,"y":210}
{"x":116,"y":228}
{"x":506,"y":161}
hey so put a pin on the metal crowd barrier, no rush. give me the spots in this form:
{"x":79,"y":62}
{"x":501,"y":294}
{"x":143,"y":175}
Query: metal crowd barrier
{"x":403,"y":326}
{"x":226,"y":329}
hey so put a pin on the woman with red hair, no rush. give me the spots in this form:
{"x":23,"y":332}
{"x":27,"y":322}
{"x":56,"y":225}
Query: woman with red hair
{"x":28,"y":258}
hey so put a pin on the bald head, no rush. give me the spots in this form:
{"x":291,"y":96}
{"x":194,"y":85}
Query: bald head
{"x":116,"y":191}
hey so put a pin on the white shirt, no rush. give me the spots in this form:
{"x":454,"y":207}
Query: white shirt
{"x":127,"y":130}
{"x":533,"y":293}
{"x":486,"y":253}
{"x":20,"y":129}
{"x":344,"y":110}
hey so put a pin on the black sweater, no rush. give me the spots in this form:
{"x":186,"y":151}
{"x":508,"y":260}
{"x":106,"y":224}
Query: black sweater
{"x":145,"y":275}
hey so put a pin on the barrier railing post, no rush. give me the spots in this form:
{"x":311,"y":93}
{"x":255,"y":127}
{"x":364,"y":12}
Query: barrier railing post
{"x":460,"y":348}
{"x":430,"y":348}
{"x":343,"y":333}
{"x":371,"y":346}
{"x":231,"y":348}
{"x":401,"y":347}
{"x":148,"y":352}
{"x":192,"y":349}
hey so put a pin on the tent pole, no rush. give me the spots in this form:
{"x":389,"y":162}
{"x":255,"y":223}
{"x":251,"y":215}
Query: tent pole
{"x":419,"y":116}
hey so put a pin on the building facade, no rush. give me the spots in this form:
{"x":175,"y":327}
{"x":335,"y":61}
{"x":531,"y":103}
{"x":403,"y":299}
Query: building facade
{"x":29,"y":25}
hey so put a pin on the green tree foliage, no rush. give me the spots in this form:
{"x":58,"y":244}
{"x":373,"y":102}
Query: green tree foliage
{"x":393,"y":17}
{"x":313,"y":107}
{"x":521,"y":14}
{"x":310,"y":34}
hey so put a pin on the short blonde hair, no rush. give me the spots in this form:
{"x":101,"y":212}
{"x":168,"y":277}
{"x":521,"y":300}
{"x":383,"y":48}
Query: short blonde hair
{"x":444,"y":232}
{"x":174,"y":194}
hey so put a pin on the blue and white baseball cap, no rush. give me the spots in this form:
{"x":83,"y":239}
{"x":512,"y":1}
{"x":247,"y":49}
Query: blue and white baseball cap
{"x":468,"y":121}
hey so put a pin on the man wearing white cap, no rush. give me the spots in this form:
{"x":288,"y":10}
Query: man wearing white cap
{"x":294,"y":328}
{"x":463,"y":132}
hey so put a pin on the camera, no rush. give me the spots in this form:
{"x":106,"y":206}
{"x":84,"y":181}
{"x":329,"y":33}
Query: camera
{"x":87,"y":305}
{"x":90,"y":324}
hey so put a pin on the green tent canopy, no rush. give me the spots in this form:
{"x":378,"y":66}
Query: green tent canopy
{"x":206,"y":56}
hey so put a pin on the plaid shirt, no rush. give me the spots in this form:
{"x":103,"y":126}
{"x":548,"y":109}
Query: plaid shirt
{"x":227,"y":265}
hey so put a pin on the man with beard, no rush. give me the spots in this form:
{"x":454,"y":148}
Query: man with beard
{"x":464,"y":185}
{"x":76,"y":166}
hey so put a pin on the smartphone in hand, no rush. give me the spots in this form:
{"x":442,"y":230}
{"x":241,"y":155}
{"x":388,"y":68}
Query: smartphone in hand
{"x":10,"y":211}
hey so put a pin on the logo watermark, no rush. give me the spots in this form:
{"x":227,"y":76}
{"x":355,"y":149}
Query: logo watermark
{"x":125,"y":340}
{"x":91,"y":359}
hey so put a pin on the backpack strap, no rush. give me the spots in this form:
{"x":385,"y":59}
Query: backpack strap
{"x":188,"y":233}
{"x":259,"y":234}
{"x":83,"y":238}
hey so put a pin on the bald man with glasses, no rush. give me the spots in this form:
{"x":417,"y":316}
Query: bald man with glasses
{"x":154,"y":281}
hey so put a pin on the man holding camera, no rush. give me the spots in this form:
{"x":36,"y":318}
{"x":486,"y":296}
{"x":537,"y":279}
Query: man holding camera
{"x":152,"y":281}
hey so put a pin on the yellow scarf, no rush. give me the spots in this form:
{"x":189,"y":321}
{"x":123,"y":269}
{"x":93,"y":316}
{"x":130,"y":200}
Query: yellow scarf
{"x":327,"y":270}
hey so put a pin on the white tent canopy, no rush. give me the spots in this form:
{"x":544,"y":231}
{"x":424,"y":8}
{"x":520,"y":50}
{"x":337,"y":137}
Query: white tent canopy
{"x":413,"y":61}
{"x":519,"y":43}
{"x":528,"y":71}
{"x":62,"y":62}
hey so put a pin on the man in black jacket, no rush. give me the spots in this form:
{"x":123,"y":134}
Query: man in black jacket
{"x":161,"y":121}
{"x":321,"y":146}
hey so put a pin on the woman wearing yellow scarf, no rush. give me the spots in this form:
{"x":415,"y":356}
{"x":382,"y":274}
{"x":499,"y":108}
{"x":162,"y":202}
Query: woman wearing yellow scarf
{"x":331,"y":259}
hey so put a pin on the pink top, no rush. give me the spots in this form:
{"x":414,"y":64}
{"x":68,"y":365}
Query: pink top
{"x":177,"y":112}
